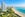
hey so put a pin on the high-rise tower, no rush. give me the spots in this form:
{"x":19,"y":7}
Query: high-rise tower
{"x":3,"y":6}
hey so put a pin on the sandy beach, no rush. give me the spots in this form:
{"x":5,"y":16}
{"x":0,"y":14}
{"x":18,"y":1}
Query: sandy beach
{"x":19,"y":13}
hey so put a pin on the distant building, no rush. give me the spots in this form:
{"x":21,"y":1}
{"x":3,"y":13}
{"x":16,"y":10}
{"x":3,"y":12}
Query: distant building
{"x":3,"y":6}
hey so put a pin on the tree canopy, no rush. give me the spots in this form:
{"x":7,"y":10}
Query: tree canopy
{"x":9,"y":13}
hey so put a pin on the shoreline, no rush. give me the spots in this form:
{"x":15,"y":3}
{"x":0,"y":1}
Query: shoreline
{"x":19,"y":13}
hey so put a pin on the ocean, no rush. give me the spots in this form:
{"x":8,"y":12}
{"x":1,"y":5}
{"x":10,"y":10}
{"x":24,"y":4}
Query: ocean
{"x":22,"y":10}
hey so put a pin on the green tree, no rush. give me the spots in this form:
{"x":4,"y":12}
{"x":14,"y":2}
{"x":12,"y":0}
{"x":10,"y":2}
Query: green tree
{"x":8,"y":13}
{"x":11,"y":12}
{"x":0,"y":10}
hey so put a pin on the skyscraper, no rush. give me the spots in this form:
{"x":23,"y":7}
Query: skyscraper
{"x":3,"y":6}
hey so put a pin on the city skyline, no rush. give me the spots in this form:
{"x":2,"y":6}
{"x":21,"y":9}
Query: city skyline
{"x":15,"y":3}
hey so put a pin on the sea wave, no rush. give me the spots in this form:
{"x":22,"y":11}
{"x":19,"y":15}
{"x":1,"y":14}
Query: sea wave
{"x":21,"y":10}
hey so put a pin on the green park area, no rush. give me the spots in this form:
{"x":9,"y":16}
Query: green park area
{"x":8,"y":13}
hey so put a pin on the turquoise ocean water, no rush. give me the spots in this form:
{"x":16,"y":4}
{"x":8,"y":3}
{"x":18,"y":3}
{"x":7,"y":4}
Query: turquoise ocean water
{"x":20,"y":9}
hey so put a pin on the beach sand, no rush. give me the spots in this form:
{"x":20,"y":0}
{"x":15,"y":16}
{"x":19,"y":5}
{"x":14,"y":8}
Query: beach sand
{"x":20,"y":14}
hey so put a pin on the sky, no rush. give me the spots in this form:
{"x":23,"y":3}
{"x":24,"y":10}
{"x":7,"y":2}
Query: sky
{"x":15,"y":3}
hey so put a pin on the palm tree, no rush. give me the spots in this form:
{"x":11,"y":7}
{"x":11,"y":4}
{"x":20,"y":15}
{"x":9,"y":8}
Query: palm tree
{"x":11,"y":13}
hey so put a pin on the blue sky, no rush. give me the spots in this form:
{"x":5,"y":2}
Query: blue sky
{"x":14,"y":2}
